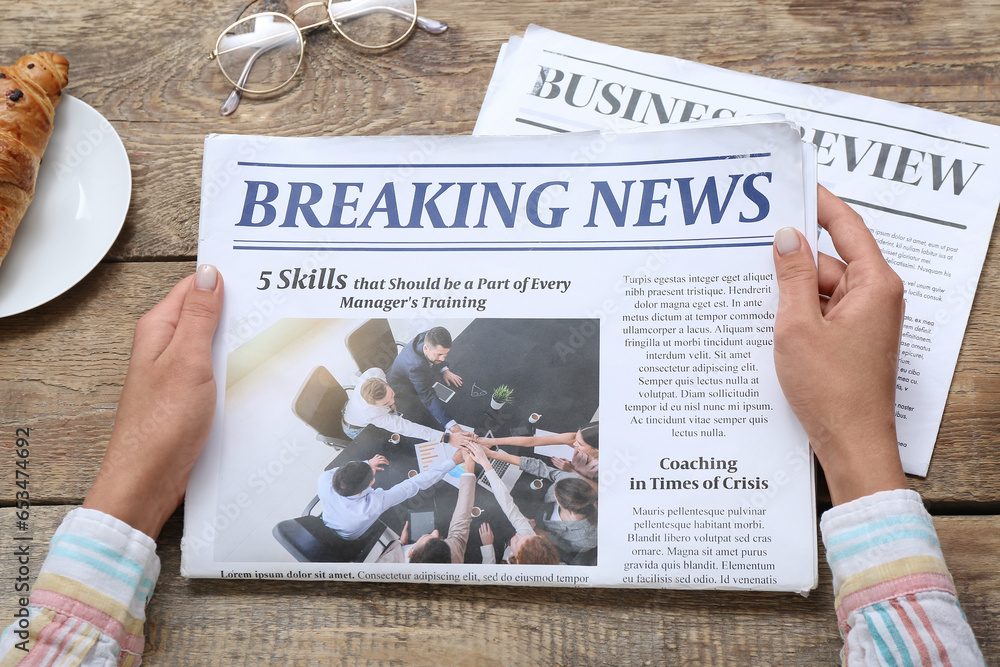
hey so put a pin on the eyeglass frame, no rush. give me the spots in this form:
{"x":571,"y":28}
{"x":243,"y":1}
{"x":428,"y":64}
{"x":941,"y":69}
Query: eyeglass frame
{"x":430,"y":25}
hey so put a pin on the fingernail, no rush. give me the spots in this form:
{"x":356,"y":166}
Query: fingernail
{"x":206,"y":277}
{"x":786,"y":240}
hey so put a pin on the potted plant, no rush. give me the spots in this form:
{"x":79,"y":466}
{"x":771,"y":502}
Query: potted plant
{"x":501,"y":396}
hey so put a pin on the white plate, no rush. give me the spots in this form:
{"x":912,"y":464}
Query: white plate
{"x":82,"y":195}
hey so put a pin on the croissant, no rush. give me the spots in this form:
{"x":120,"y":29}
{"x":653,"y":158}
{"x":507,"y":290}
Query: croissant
{"x":29,"y":92}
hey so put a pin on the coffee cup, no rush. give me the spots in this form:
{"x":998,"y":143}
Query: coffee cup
{"x":411,"y":474}
{"x":394,"y":439}
{"x":534,"y":417}
{"x":536,"y":484}
{"x":476,"y":511}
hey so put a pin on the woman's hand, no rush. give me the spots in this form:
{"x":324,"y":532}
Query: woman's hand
{"x":470,"y":463}
{"x":562,"y":464}
{"x":836,"y":345}
{"x":479,"y":454}
{"x":166,"y":407}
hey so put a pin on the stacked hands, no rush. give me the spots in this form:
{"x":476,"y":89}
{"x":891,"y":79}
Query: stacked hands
{"x":470,"y":449}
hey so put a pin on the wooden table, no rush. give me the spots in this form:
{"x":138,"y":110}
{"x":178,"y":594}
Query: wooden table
{"x":143,"y":65}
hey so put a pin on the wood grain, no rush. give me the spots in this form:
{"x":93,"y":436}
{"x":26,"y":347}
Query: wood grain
{"x":143,"y":65}
{"x":295,"y":623}
{"x":150,"y":76}
{"x":62,"y":367}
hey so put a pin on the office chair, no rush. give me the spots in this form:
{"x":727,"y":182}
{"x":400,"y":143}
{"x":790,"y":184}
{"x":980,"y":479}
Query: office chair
{"x":310,"y":540}
{"x":320,"y":403}
{"x":371,"y":345}
{"x":588,"y":557}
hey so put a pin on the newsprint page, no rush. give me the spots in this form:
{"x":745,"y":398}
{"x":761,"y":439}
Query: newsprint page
{"x":635,"y":292}
{"x":924,"y":182}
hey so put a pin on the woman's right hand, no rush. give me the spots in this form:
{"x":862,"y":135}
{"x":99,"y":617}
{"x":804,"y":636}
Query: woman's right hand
{"x":486,"y":534}
{"x":836,"y":345}
{"x":479,"y":454}
{"x":562,"y":464}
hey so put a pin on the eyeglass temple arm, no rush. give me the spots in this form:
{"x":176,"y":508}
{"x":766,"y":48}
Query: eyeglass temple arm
{"x":430,"y":25}
{"x":233,"y":101}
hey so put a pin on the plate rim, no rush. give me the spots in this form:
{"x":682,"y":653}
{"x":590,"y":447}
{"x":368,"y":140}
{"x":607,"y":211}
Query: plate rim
{"x":124,"y":185}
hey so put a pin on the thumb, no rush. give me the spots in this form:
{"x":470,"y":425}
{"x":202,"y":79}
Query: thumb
{"x":798,"y":286}
{"x":200,"y":313}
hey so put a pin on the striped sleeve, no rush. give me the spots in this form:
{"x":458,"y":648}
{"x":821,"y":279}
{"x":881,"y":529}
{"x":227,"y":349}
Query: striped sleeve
{"x":896,"y":602}
{"x":88,"y":604}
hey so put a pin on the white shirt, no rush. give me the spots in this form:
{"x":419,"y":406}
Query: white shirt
{"x":510,"y":509}
{"x":351,"y":516}
{"x":361,"y":413}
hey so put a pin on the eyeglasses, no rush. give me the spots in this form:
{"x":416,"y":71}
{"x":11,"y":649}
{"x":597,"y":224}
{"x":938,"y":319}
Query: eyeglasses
{"x":263,"y":52}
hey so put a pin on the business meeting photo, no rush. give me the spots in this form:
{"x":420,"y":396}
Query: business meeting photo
{"x":424,"y":440}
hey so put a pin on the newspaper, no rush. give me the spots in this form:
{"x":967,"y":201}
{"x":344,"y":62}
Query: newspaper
{"x":653,"y":267}
{"x":925,"y":182}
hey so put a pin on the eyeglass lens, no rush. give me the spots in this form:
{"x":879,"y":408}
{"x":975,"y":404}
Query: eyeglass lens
{"x":261,"y":53}
{"x":374,"y":24}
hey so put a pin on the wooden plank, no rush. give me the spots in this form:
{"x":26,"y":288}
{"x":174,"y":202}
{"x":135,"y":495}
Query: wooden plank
{"x":151,"y":65}
{"x":151,"y":78}
{"x":323,"y":623}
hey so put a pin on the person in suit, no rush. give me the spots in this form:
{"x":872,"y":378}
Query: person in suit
{"x":415,"y":370}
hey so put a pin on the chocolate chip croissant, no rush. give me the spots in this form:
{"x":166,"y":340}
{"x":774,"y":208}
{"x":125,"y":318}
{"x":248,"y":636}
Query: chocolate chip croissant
{"x":29,"y":92}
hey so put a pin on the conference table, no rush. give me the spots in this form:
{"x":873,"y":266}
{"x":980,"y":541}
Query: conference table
{"x":143,"y":66}
{"x":527,"y":355}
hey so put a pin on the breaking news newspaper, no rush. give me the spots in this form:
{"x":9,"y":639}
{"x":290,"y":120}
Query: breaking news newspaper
{"x":656,"y":255}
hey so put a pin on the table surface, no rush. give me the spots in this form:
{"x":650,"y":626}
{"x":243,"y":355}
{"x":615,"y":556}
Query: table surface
{"x":526,"y":354}
{"x":143,"y":65}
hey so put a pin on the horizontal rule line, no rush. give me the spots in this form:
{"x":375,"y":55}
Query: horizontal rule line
{"x":543,"y":126}
{"x":451,"y":248}
{"x":468,"y":244}
{"x":906,"y":214}
{"x":519,"y":165}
